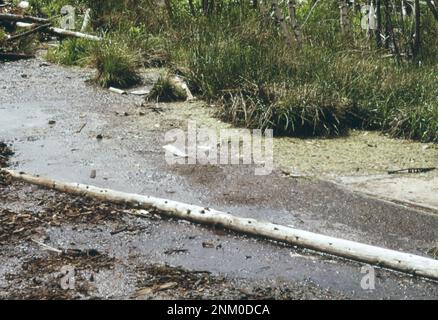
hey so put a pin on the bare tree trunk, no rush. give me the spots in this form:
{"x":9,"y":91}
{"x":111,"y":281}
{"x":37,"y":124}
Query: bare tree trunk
{"x":345,"y":20}
{"x":294,"y":22}
{"x":417,"y":35}
{"x":387,"y":23}
{"x":192,"y":8}
{"x":379,"y":23}
{"x":168,"y":4}
{"x":433,"y":8}
{"x":280,"y":18}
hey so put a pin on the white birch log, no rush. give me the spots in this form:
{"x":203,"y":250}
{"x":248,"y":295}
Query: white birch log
{"x":69,"y":33}
{"x":405,"y":262}
{"x":18,"y":17}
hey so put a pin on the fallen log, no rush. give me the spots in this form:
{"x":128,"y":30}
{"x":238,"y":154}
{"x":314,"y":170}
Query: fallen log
{"x":381,"y":257}
{"x":23,"y":18}
{"x":28,"y":33}
{"x":69,"y":33}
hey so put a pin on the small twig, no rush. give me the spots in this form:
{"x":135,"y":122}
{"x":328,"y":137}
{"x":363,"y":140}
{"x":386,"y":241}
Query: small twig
{"x":81,"y":128}
{"x":411,"y":170}
{"x":46,"y":247}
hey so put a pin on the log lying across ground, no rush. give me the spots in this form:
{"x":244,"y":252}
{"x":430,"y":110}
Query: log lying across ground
{"x":68,"y":33}
{"x":30,"y":22}
{"x":396,"y":260}
{"x":19,"y":17}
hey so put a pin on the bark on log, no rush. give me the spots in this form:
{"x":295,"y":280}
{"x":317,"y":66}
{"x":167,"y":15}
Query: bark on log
{"x":19,"y":17}
{"x":396,"y":260}
{"x":69,"y":33}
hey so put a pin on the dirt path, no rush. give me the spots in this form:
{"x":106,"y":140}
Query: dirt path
{"x":53,"y":117}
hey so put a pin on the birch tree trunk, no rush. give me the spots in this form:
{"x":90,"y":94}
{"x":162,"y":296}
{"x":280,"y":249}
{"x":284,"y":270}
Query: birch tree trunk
{"x":294,"y":22}
{"x":280,"y":19}
{"x":345,"y":19}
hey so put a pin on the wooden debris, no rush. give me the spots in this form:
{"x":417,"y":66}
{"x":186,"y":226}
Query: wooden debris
{"x":117,"y":90}
{"x":28,"y":33}
{"x":22,"y":18}
{"x":396,"y":260}
{"x":412,"y":170}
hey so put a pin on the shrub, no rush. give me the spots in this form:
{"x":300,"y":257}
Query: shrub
{"x":73,"y":51}
{"x":166,"y":90}
{"x":116,"y":64}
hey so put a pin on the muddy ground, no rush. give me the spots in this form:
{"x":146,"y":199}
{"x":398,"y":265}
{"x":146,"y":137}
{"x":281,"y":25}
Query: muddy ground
{"x":47,"y":237}
{"x":52,"y":117}
{"x":30,"y":270}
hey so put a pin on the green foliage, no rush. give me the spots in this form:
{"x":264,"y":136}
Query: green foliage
{"x":116,"y":64}
{"x":166,"y":90}
{"x":2,"y":34}
{"x":72,"y":52}
{"x":237,"y":57}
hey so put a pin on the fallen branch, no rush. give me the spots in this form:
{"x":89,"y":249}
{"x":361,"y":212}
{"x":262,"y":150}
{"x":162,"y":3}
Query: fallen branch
{"x":392,"y":259}
{"x":46,"y":247}
{"x":411,"y":170}
{"x":23,"y":18}
{"x":75,"y":34}
{"x":28,"y":33}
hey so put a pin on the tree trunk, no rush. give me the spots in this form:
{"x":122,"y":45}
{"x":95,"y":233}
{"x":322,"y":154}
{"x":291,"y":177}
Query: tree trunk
{"x":433,"y":8}
{"x":294,"y":22}
{"x":379,"y":23}
{"x":417,"y":35}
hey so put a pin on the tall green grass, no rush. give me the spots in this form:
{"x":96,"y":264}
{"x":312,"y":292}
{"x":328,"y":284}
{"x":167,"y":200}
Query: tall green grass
{"x":236,"y":56}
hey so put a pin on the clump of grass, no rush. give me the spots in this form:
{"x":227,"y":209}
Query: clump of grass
{"x":72,"y":52}
{"x":167,"y":90}
{"x":116,"y":64}
{"x":2,"y":34}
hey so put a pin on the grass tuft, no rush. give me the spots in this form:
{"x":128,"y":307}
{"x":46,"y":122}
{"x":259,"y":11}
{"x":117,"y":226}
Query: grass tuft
{"x":166,"y":90}
{"x":116,"y":64}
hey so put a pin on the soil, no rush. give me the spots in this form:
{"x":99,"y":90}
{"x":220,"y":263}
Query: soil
{"x":38,"y":271}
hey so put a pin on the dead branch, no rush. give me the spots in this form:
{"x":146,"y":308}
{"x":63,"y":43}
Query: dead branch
{"x":28,"y":33}
{"x":23,"y":18}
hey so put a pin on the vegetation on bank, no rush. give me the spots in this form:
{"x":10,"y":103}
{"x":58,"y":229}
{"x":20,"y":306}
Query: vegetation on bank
{"x":238,"y":56}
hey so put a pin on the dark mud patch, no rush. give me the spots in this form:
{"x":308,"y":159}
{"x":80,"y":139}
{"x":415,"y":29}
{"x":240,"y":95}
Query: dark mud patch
{"x":167,"y":282}
{"x":50,"y":277}
{"x":50,"y":210}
